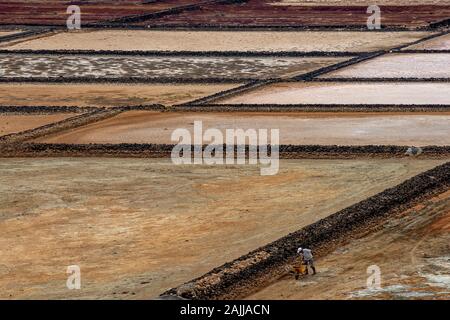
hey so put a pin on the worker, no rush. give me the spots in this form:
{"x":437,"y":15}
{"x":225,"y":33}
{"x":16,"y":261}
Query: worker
{"x":308,"y":258}
{"x":414,"y":151}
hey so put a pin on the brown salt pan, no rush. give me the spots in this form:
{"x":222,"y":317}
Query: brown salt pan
{"x":295,"y":128}
{"x":161,"y":224}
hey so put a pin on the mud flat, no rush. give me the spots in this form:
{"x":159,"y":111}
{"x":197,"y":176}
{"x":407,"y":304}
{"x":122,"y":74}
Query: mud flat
{"x":406,"y":65}
{"x":17,"y":123}
{"x":411,"y":251}
{"x":131,"y":40}
{"x":439,"y":43}
{"x":103,"y":95}
{"x":295,"y":128}
{"x":104,"y":213}
{"x":392,"y":93}
{"x":184,"y":67}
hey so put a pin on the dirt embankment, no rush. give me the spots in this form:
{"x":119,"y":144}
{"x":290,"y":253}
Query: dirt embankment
{"x":261,"y":266}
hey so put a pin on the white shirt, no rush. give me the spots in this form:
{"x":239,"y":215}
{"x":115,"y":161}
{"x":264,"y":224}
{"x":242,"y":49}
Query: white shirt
{"x":307,"y":254}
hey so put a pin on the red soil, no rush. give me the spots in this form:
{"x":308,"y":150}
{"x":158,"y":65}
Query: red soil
{"x":259,"y":13}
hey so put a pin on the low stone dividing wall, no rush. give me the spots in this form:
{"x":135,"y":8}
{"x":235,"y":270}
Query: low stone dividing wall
{"x":124,"y":80}
{"x":164,"y":150}
{"x":44,"y":109}
{"x":153,"y":53}
{"x":207,"y":107}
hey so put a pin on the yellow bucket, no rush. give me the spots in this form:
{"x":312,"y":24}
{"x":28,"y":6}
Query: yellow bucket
{"x":300,"y":269}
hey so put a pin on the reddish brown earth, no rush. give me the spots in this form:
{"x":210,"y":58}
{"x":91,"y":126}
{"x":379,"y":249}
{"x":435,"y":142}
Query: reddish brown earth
{"x":103,"y":95}
{"x":261,"y":13}
{"x":295,"y":128}
{"x":53,"y":12}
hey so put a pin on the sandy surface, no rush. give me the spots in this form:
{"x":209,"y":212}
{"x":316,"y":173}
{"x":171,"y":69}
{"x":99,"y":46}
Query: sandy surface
{"x":17,"y":123}
{"x":419,"y":93}
{"x":412,"y":252}
{"x":223,"y":40}
{"x":439,"y":43}
{"x":103,"y":95}
{"x":430,"y":65}
{"x":295,"y":128}
{"x":137,"y":227}
{"x":163,"y":66}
